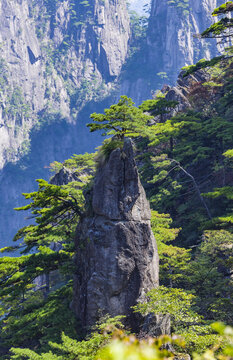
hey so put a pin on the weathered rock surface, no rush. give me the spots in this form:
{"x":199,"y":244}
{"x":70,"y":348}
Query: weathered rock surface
{"x":170,"y":44}
{"x":182,"y":91}
{"x":156,"y":325}
{"x":117,"y":258}
{"x":55,"y":57}
{"x":64,"y":176}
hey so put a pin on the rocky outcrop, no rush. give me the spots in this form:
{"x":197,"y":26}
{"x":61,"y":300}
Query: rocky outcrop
{"x":54,"y":58}
{"x":183,"y":89}
{"x":64,"y":177}
{"x":156,"y":325}
{"x":116,"y":260}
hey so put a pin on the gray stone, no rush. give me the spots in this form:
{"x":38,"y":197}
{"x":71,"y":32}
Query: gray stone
{"x":64,"y":176}
{"x":118,"y":193}
{"x":29,"y":39}
{"x":116,"y":254}
{"x":181,"y":92}
{"x":157,"y":325}
{"x":171,"y":44}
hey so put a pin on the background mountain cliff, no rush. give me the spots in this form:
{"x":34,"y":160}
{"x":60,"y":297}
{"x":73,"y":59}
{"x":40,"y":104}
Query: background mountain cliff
{"x":169,"y":45}
{"x":61,"y":60}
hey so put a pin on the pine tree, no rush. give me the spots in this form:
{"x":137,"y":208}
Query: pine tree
{"x":36,"y":287}
{"x":121,"y":119}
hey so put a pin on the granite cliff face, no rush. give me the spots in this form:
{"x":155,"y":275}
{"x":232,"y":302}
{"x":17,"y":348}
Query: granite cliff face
{"x":117,"y":258}
{"x":55,"y":56}
{"x":170,"y":44}
{"x":172,"y":25}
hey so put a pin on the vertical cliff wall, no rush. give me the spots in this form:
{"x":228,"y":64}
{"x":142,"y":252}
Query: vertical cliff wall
{"x":170,"y":40}
{"x":55,"y":56}
{"x":170,"y":44}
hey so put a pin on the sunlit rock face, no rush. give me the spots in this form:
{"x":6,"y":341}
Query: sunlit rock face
{"x":116,"y":260}
{"x":48,"y":53}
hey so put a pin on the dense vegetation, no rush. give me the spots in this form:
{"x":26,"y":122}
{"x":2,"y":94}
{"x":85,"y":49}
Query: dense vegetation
{"x":185,"y":162}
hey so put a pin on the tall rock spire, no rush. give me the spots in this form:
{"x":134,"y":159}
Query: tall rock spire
{"x":116,"y":253}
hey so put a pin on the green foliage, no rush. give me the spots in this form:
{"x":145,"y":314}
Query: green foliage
{"x":219,"y":29}
{"x":121,"y":119}
{"x":138,"y":26}
{"x":202,"y":64}
{"x":54,"y":209}
{"x":175,"y":302}
{"x":222,"y":28}
{"x":192,"y":141}
{"x":159,"y":106}
{"x":209,"y":274}
{"x":173,"y":259}
{"x":56,"y":166}
{"x":3,"y":76}
{"x":200,"y":131}
{"x":129,"y":347}
{"x":224,"y":8}
{"x":34,"y":321}
{"x":160,"y":224}
{"x":217,"y":351}
{"x":17,"y":274}
{"x":196,"y":140}
{"x":33,"y":314}
{"x":229,"y":154}
{"x":83,"y":166}
{"x":182,"y":5}
{"x":226,"y":192}
{"x":185,"y":320}
{"x":81,"y":162}
{"x":71,"y":349}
